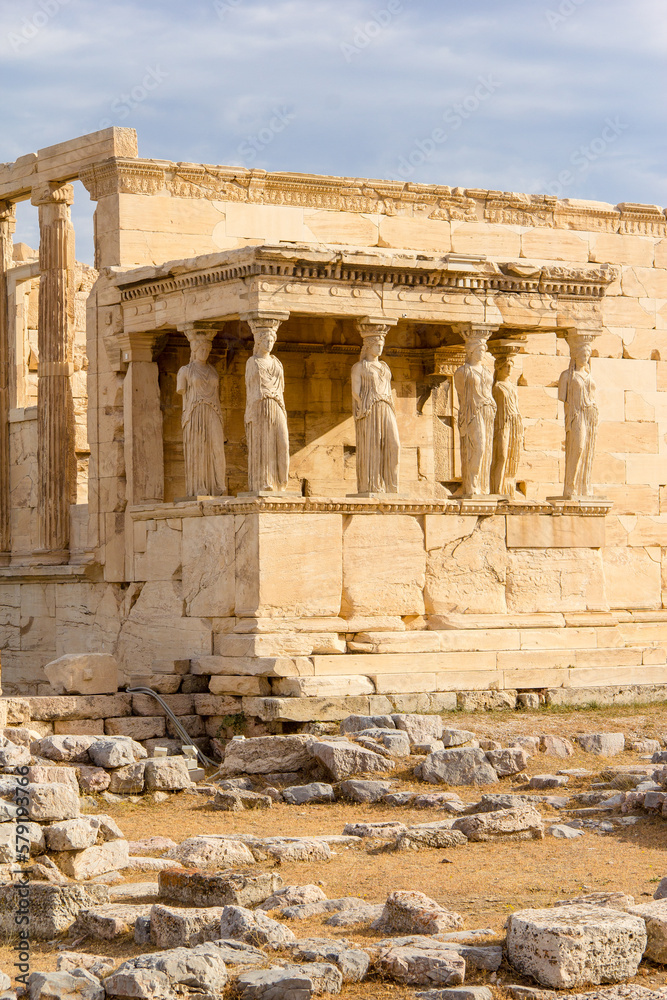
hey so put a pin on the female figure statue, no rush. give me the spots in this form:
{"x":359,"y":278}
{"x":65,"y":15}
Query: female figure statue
{"x":378,"y":446}
{"x":265,"y":414}
{"x":508,"y":430}
{"x":203,"y":433}
{"x":576,"y":389}
{"x":477,"y":412}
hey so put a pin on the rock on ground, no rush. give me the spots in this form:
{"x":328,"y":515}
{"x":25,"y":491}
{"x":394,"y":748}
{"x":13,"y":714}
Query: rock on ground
{"x":166,"y":774}
{"x":419,"y":967}
{"x":294,"y":982}
{"x":605,"y":744}
{"x":654,"y":916}
{"x":239,"y":888}
{"x":519,"y":823}
{"x":510,"y":760}
{"x":264,"y":754}
{"x":50,"y":803}
{"x":316,"y":791}
{"x":206,"y":852}
{"x":200,"y":969}
{"x":255,"y":928}
{"x":408,"y":912}
{"x":342,"y":759}
{"x":238,"y":799}
{"x":365,"y":791}
{"x":75,"y":985}
{"x":352,"y":962}
{"x":468,"y":766}
{"x":292,"y":895}
{"x":419,"y":839}
{"x":420,"y":728}
{"x":53,"y":908}
{"x":569,"y":946}
{"x":173,"y":928}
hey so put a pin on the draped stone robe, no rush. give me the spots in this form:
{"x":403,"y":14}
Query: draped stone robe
{"x":266,"y":425}
{"x":203,"y":432}
{"x":378,"y":445}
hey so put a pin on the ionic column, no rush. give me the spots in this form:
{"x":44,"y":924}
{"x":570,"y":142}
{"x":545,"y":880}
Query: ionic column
{"x":56,"y":459}
{"x":142,"y":418}
{"x":7,"y":224}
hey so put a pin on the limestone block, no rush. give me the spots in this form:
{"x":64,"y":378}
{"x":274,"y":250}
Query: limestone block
{"x":538,"y":402}
{"x":43,"y":775}
{"x":466,"y":564}
{"x":251,"y":666}
{"x":168,"y":774}
{"x":321,"y":687}
{"x":216,"y":705}
{"x":157,"y":629}
{"x":654,"y":915}
{"x":543,"y":435}
{"x":71,"y":834}
{"x":128,"y":780}
{"x":53,"y":908}
{"x":278,"y":644}
{"x":407,"y":912}
{"x":161,"y":557}
{"x":180,"y":704}
{"x":309,"y":544}
{"x":519,"y":823}
{"x":415,"y":966}
{"x":79,"y":727}
{"x":483,"y":238}
{"x":467,"y":766}
{"x":49,"y":803}
{"x":401,"y":642}
{"x":136,"y":727}
{"x":555,"y":580}
{"x":411,"y":233}
{"x":412,"y":683}
{"x":631,"y":437}
{"x":349,"y":228}
{"x":265,"y":754}
{"x":209,"y":566}
{"x":554,"y":244}
{"x":384,"y":565}
{"x":343,"y":759}
{"x":544,"y":531}
{"x":632,"y":577}
{"x":540,"y":371}
{"x":570,"y":946}
{"x":92,"y":861}
{"x":619,"y":248}
{"x":237,"y":687}
{"x":307,"y":709}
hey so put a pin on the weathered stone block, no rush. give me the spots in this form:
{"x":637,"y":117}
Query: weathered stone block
{"x":394,"y":547}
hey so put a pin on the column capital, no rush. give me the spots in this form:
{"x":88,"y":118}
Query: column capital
{"x":506,"y":347}
{"x":478,"y":333}
{"x":374,"y":326}
{"x":52,"y":194}
{"x":8,"y":213}
{"x":137,"y":346}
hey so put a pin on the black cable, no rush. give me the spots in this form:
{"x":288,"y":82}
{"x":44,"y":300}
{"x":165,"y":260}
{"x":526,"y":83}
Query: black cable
{"x":204,"y":760}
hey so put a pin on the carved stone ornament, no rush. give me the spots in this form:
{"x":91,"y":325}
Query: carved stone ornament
{"x":265,"y":414}
{"x":203,"y":431}
{"x":477,"y":414}
{"x":576,"y":390}
{"x":376,"y":429}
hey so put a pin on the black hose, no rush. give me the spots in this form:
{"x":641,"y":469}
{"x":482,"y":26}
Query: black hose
{"x":204,"y":760}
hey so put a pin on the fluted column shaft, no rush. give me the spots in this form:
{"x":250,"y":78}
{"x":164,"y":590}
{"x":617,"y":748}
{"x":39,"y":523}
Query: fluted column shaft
{"x":7,"y":223}
{"x":56,"y":458}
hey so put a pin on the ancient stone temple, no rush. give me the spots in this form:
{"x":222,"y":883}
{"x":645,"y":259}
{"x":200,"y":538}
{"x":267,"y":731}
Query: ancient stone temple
{"x":330,"y":444}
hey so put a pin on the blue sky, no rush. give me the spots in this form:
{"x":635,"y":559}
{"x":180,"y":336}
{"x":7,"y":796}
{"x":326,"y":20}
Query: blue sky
{"x":558,"y":96}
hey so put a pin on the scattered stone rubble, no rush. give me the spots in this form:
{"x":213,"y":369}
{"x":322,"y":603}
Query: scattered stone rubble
{"x":220,"y":922}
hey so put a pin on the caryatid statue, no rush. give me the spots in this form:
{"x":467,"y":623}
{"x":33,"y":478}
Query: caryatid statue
{"x":477,"y":414}
{"x":508,"y":425}
{"x":203,"y":433}
{"x":265,"y":414}
{"x":576,"y":389}
{"x":376,"y":430}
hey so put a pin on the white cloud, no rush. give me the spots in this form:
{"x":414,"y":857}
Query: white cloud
{"x":356,"y":113}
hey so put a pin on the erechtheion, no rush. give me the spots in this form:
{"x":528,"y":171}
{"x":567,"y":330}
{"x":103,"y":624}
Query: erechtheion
{"x":257,"y":443}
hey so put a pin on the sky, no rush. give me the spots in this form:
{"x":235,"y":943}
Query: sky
{"x":565,"y":97}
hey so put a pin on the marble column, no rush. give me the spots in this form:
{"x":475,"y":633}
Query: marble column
{"x":142,"y":419}
{"x":56,"y":459}
{"x":576,"y":390}
{"x":508,"y":427}
{"x":477,"y":412}
{"x":7,"y":224}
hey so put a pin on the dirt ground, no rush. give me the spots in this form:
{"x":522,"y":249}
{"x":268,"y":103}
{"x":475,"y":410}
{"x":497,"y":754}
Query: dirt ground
{"x":482,"y":882}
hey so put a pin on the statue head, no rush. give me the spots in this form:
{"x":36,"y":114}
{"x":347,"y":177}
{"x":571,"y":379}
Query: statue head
{"x":200,"y":344}
{"x":373,"y":347}
{"x":581,"y":348}
{"x":503,"y":368}
{"x":264,"y":336}
{"x":475,"y":349}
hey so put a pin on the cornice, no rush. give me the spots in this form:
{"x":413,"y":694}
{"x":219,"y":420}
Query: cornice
{"x":126,"y":175}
